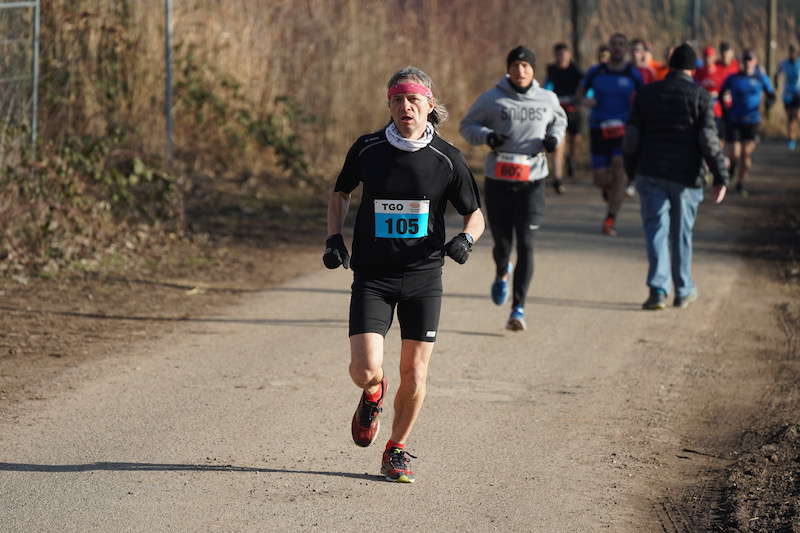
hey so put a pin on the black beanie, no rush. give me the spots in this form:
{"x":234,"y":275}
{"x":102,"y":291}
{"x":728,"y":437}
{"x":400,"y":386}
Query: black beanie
{"x":520,"y":53}
{"x":683,"y":58}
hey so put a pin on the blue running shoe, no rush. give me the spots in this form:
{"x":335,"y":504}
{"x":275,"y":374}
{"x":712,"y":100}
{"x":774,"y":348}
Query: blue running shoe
{"x":500,"y":288}
{"x":516,"y":321}
{"x":792,"y":145}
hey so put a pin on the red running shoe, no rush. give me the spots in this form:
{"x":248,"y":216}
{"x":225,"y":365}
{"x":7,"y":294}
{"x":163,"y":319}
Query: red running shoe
{"x":608,"y":227}
{"x":365,"y":423}
{"x":395,"y":465}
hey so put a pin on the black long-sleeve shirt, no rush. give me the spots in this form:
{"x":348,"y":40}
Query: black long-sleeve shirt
{"x":671,"y":130}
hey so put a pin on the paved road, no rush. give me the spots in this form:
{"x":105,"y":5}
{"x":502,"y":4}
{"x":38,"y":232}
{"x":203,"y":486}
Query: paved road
{"x":240,"y":421}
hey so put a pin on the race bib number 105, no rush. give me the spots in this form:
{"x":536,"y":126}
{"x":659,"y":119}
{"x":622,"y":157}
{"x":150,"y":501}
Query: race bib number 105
{"x":401,"y":219}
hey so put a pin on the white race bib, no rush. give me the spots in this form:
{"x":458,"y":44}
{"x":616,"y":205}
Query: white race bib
{"x":612,"y":129}
{"x":514,"y":167}
{"x":401,"y":219}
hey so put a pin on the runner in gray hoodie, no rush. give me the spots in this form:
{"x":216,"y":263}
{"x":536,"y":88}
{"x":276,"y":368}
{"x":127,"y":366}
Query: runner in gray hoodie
{"x":519,"y":120}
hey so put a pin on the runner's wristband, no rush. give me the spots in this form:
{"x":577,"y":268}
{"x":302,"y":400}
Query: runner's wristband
{"x":459,"y":247}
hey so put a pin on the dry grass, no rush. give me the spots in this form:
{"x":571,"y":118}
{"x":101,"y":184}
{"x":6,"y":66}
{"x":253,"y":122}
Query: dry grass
{"x":333,"y":56}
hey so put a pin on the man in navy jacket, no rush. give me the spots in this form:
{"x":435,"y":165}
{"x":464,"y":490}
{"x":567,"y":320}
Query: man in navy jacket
{"x":670,"y":132}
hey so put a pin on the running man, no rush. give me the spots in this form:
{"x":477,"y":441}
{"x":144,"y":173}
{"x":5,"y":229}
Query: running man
{"x":727,"y":59}
{"x":641,"y":58}
{"x":711,"y":77}
{"x":409,"y":174}
{"x":613,"y":84}
{"x":563,"y":78}
{"x":661,"y":69}
{"x":790,"y":68}
{"x":743,"y":118}
{"x":603,"y":53}
{"x":727,"y":65}
{"x":519,"y":121}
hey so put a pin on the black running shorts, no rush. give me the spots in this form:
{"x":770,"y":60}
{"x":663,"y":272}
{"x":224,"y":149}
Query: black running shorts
{"x":792,"y":103}
{"x":741,"y":132}
{"x":417,"y":296}
{"x":720,"y":122}
{"x":574,"y":122}
{"x":603,"y":150}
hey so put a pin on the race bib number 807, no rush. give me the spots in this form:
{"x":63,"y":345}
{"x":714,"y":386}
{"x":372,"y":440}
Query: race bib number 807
{"x":401,"y":219}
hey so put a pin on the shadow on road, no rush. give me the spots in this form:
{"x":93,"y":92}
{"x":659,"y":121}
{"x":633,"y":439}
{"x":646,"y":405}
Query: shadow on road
{"x":157,"y":467}
{"x":315,"y":322}
{"x":560,"y":302}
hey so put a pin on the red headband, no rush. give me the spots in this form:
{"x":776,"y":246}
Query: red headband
{"x":409,"y":88}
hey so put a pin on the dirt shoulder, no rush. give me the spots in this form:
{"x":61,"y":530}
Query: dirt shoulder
{"x":50,"y":324}
{"x":740,"y":466}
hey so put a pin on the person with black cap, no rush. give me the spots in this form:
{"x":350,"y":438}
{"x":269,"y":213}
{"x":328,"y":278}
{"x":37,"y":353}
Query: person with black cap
{"x":790,"y":68}
{"x":743,"y":117}
{"x":519,"y":121}
{"x":670,"y":133}
{"x":711,"y":76}
{"x":563,"y":78}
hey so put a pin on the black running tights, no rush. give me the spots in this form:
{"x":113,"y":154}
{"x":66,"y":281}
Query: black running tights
{"x":515,"y":208}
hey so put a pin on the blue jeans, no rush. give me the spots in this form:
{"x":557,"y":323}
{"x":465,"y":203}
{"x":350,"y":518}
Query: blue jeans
{"x":668,"y":213}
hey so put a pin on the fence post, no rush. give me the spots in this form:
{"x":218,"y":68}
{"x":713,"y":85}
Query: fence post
{"x":575,"y":18}
{"x":772,"y":31}
{"x":168,"y":71}
{"x":697,"y":10}
{"x":35,"y":76}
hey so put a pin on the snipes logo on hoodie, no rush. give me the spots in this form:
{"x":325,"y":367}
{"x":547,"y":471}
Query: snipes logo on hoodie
{"x":522,"y":114}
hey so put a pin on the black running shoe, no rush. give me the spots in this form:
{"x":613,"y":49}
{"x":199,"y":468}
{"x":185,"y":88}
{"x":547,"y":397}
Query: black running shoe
{"x":656,"y":301}
{"x":683,"y":302}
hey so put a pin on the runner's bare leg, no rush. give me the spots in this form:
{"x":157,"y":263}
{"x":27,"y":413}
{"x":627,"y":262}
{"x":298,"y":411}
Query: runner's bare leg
{"x":746,"y":160}
{"x":414,"y":359}
{"x":573,"y":142}
{"x":618,"y":182}
{"x":558,"y":160}
{"x":366,"y":361}
{"x":732,"y":151}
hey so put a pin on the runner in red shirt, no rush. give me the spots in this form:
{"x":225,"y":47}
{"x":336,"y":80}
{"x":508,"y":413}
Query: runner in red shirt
{"x":639,"y":51}
{"x":711,"y":76}
{"x":727,"y":65}
{"x":727,"y":59}
{"x":661,"y":69}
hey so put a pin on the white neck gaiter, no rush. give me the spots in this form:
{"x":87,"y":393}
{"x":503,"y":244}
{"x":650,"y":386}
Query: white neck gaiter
{"x":409,"y":145}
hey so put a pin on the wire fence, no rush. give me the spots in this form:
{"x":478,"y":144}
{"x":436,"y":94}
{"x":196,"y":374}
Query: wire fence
{"x":19,"y":66}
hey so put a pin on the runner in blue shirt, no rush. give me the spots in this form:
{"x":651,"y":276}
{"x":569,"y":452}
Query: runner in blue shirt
{"x":613,"y":85}
{"x":791,"y":93}
{"x":743,"y":117}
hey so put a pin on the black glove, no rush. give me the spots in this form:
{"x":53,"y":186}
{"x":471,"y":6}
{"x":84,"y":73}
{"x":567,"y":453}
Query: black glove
{"x":459,"y":248}
{"x":770,"y":101}
{"x":549,"y":142}
{"x":336,"y":252}
{"x":494,"y":139}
